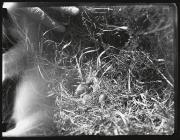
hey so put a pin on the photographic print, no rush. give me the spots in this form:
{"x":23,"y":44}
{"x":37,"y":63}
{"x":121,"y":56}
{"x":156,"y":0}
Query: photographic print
{"x":88,"y":69}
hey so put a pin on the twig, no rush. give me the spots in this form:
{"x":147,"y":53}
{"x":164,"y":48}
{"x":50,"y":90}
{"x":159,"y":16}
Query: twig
{"x":129,"y":81}
{"x":106,"y":70}
{"x":42,"y":74}
{"x":79,"y":69}
{"x":160,"y":72}
{"x":165,"y":78}
{"x":157,"y":30}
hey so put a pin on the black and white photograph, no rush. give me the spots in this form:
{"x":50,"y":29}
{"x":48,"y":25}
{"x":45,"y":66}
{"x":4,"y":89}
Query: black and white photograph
{"x":103,"y":69}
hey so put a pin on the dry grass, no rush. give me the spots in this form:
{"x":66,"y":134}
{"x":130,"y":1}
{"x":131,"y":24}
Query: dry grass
{"x":126,"y":110}
{"x":103,"y":89}
{"x":129,"y":94}
{"x":127,"y":91}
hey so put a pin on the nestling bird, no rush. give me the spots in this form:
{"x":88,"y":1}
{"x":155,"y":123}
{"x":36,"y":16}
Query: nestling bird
{"x":81,"y":89}
{"x":102,"y":98}
{"x":86,"y":99}
{"x":84,"y":87}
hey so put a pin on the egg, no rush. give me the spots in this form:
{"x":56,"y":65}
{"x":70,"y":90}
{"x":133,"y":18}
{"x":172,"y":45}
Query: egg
{"x":102,"y":98}
{"x":86,"y":99}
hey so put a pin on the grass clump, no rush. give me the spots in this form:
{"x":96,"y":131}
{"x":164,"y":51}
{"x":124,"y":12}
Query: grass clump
{"x":117,"y":89}
{"x":128,"y":108}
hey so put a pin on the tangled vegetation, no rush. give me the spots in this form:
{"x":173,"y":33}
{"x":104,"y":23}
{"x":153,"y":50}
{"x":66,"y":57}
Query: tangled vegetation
{"x":112,"y":71}
{"x":117,"y":65}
